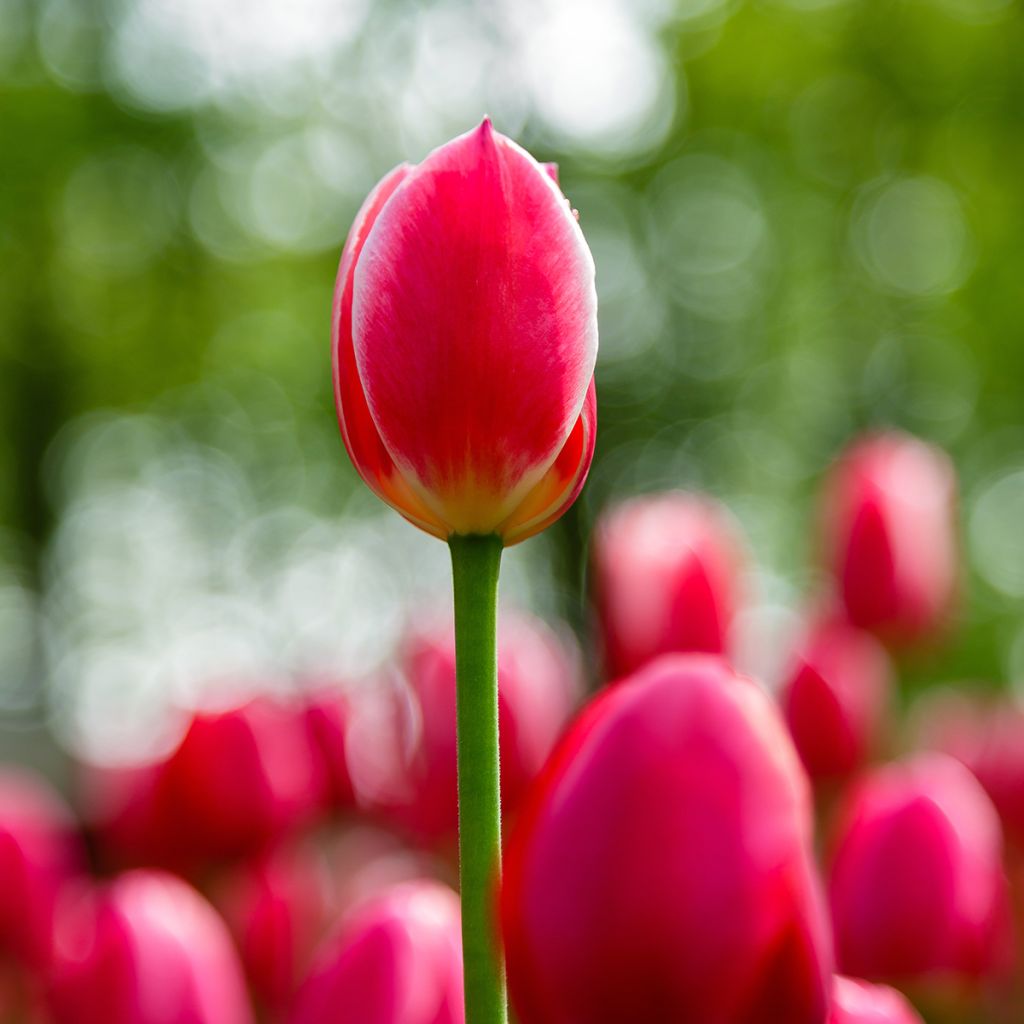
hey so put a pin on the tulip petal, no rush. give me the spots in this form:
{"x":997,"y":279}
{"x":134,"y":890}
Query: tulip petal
{"x":474,"y":321}
{"x":358,"y":431}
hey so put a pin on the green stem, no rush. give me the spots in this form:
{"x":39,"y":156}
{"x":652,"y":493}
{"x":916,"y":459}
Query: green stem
{"x":475,"y":564}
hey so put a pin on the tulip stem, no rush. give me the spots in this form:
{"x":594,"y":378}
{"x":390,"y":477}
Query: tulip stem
{"x":475,"y":564}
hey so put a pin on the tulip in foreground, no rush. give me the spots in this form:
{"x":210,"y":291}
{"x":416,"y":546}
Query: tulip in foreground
{"x":917,"y":886}
{"x":464,"y":339}
{"x":666,"y":571}
{"x":835,"y":698}
{"x":146,"y":949}
{"x":889,"y":523}
{"x":662,"y":870}
{"x":396,"y":960}
{"x":857,"y":1002}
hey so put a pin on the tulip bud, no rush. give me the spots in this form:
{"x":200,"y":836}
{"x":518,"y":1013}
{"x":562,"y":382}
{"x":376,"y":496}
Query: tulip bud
{"x":835,"y":698}
{"x":662,"y":868}
{"x":146,"y":949}
{"x":917,"y":885}
{"x":396,"y":960}
{"x":464,"y":342}
{"x":39,"y":854}
{"x":857,"y":1002}
{"x":666,"y":572}
{"x":890,"y":535}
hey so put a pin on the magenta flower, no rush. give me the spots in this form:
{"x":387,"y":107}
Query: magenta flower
{"x":662,"y":869}
{"x":857,"y":1002}
{"x":464,"y":341}
{"x":666,"y":571}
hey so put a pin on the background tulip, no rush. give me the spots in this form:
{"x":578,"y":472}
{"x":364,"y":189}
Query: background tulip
{"x":835,"y":697}
{"x":857,"y":1002}
{"x":916,"y":884}
{"x":395,"y":960}
{"x":327,"y":710}
{"x":890,"y":535}
{"x":662,"y":870}
{"x":666,"y":576}
{"x":146,"y":949}
{"x":465,"y":336}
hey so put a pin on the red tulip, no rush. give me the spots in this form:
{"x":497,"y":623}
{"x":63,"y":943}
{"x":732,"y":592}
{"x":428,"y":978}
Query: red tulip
{"x":890,"y":535}
{"x":857,"y":1002}
{"x":396,"y":960}
{"x":917,"y":885}
{"x":666,"y":570}
{"x":835,"y":698}
{"x":39,"y":854}
{"x":662,"y":869}
{"x":327,"y":713}
{"x":147,"y":949}
{"x":464,"y":342}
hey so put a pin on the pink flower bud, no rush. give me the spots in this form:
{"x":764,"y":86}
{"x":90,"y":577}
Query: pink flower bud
{"x":146,"y":949}
{"x":917,"y":885}
{"x":857,"y":1002}
{"x":662,"y":869}
{"x":464,"y":342}
{"x":890,"y":535}
{"x":396,"y":960}
{"x":666,"y":571}
{"x":39,"y":853}
{"x":835,"y":698}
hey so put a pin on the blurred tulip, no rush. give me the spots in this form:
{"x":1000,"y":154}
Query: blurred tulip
{"x":662,"y":869}
{"x":835,"y":698}
{"x":146,"y":949}
{"x":39,"y":853}
{"x":327,"y":712}
{"x":464,"y":342}
{"x":986,"y":733}
{"x":396,"y":960}
{"x":917,"y":885}
{"x":666,"y":576}
{"x":890,"y":535}
{"x":857,"y":1002}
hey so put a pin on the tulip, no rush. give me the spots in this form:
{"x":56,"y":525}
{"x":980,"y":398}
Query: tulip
{"x":917,"y":887}
{"x":396,"y":960}
{"x":327,"y":712}
{"x":666,"y":570}
{"x":834,"y":698}
{"x":857,"y":1002}
{"x":662,"y":869}
{"x":39,"y":855}
{"x":146,"y":949}
{"x":890,"y":535}
{"x":464,"y":339}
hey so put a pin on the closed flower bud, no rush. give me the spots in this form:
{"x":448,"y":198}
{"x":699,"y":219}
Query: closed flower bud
{"x":662,"y":868}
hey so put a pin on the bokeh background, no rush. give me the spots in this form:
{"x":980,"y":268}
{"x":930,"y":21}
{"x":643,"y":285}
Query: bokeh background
{"x":806,"y":217}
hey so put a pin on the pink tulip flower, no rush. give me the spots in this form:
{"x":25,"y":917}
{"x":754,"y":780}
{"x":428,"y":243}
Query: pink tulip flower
{"x":396,"y":960}
{"x":464,"y":342}
{"x":890,"y":535}
{"x":39,"y":853}
{"x":917,"y":886}
{"x":662,"y":869}
{"x":857,"y":1002}
{"x":835,"y":698}
{"x":327,"y":710}
{"x":146,"y":949}
{"x":666,"y":571}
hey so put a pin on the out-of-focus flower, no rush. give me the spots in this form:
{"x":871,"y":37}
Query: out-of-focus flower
{"x":397,"y":959}
{"x":146,"y":949}
{"x":916,"y":885}
{"x":39,"y":854}
{"x":464,"y":342}
{"x":328,"y":710}
{"x":857,"y":1002}
{"x":987,"y":735}
{"x":662,"y":869}
{"x":666,"y":571}
{"x":889,"y":527}
{"x":538,"y":687}
{"x":835,"y":696}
